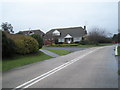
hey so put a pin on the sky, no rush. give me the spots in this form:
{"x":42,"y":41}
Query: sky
{"x":49,"y":14}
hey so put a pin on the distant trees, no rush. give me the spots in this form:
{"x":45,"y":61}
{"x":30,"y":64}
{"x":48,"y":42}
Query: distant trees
{"x":116,"y":38}
{"x":98,"y":35}
{"x":7,"y":27}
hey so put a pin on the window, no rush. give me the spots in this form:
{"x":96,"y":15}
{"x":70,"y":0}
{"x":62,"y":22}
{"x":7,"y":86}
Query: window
{"x":77,"y":39}
{"x":60,"y":40}
{"x":56,"y":33}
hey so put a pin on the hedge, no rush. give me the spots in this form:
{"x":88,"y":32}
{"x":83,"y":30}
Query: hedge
{"x":24,"y":44}
{"x":8,"y":46}
{"x":39,"y":39}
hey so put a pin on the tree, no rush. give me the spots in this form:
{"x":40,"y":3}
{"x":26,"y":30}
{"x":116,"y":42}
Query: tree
{"x":97,"y":36}
{"x":19,"y":32}
{"x":116,"y":38}
{"x":7,"y":27}
{"x":39,"y":39}
{"x":8,"y":46}
{"x":49,"y":38}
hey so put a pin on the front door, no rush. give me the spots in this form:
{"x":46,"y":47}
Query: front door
{"x":69,"y":40}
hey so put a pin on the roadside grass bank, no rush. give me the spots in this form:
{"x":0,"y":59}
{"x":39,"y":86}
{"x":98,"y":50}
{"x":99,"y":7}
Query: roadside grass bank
{"x":58,"y":51}
{"x":118,"y":50}
{"x":21,"y":60}
{"x":119,"y":72}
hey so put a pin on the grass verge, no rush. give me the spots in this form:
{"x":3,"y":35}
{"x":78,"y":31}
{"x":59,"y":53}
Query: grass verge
{"x":20,"y":60}
{"x":118,"y":51}
{"x":58,"y":51}
{"x":118,"y":72}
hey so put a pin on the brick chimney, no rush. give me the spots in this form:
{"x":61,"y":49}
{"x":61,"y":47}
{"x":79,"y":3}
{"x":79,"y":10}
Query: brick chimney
{"x":84,"y":27}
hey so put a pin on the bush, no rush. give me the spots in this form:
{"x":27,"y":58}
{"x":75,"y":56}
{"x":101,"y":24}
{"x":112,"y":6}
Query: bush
{"x":8,"y":46}
{"x":84,"y":42}
{"x":47,"y":42}
{"x":25,"y":44}
{"x":39,"y":39}
{"x":56,"y":41}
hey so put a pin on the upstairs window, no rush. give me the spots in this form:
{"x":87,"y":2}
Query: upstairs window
{"x":56,"y":33}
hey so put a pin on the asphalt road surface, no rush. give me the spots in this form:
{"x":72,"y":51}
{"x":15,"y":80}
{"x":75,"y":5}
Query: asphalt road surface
{"x":90,"y":68}
{"x":72,"y":49}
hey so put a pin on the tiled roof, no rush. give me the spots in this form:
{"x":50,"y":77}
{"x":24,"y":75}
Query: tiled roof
{"x":73,"y":31}
{"x":35,"y":32}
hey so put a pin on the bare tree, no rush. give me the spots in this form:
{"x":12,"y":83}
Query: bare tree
{"x":98,"y":35}
{"x":7,"y":27}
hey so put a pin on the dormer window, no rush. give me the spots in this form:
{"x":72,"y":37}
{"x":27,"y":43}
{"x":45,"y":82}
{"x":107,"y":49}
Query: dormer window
{"x":56,"y":33}
{"x":30,"y":33}
{"x":68,"y":36}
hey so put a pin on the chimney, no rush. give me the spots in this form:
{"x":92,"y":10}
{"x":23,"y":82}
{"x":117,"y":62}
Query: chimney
{"x":84,"y":27}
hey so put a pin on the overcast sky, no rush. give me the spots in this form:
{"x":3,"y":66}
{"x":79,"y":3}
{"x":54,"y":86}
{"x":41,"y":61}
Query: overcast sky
{"x":46,"y":15}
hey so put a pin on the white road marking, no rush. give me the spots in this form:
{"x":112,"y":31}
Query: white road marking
{"x":116,"y":50}
{"x":41,"y":77}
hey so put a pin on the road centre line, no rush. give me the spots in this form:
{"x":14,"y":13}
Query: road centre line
{"x":41,"y":77}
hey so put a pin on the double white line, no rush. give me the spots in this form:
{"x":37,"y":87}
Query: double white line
{"x":39,"y":78}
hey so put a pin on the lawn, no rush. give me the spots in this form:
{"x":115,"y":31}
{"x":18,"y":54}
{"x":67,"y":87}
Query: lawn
{"x":62,"y":45}
{"x":118,"y":50}
{"x":20,"y":60}
{"x":58,"y":51}
{"x":80,"y":45}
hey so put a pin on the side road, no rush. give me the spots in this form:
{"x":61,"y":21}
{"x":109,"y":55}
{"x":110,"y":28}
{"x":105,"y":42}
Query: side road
{"x":49,"y":53}
{"x":72,"y":49}
{"x":97,"y":69}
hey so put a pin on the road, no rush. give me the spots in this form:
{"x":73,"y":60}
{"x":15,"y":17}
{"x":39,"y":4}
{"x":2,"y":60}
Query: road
{"x":72,"y":49}
{"x":90,"y":68}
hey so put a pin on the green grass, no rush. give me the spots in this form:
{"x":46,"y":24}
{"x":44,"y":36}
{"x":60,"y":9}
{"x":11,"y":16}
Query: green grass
{"x":118,"y":50}
{"x":21,"y":60}
{"x":62,"y":45}
{"x":119,"y":72}
{"x":58,"y":51}
{"x":79,"y":45}
{"x":93,"y":45}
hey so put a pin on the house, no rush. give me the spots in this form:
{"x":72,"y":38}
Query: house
{"x":30,"y":32}
{"x":66,"y":35}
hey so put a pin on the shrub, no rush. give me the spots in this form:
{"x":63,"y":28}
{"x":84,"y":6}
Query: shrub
{"x":25,"y":44}
{"x":39,"y":39}
{"x":8,"y":46}
{"x":56,"y":41}
{"x":47,"y":42}
{"x":84,"y":42}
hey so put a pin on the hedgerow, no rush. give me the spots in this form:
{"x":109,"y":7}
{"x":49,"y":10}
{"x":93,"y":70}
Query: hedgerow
{"x":39,"y":39}
{"x":25,"y":44}
{"x":8,"y":46}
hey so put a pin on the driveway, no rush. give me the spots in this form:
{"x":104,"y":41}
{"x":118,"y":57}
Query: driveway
{"x":90,"y":68}
{"x":72,"y":49}
{"x":49,"y":53}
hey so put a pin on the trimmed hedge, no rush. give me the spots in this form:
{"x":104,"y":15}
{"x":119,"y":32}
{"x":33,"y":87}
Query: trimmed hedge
{"x":25,"y":44}
{"x":8,"y":46}
{"x":39,"y":39}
